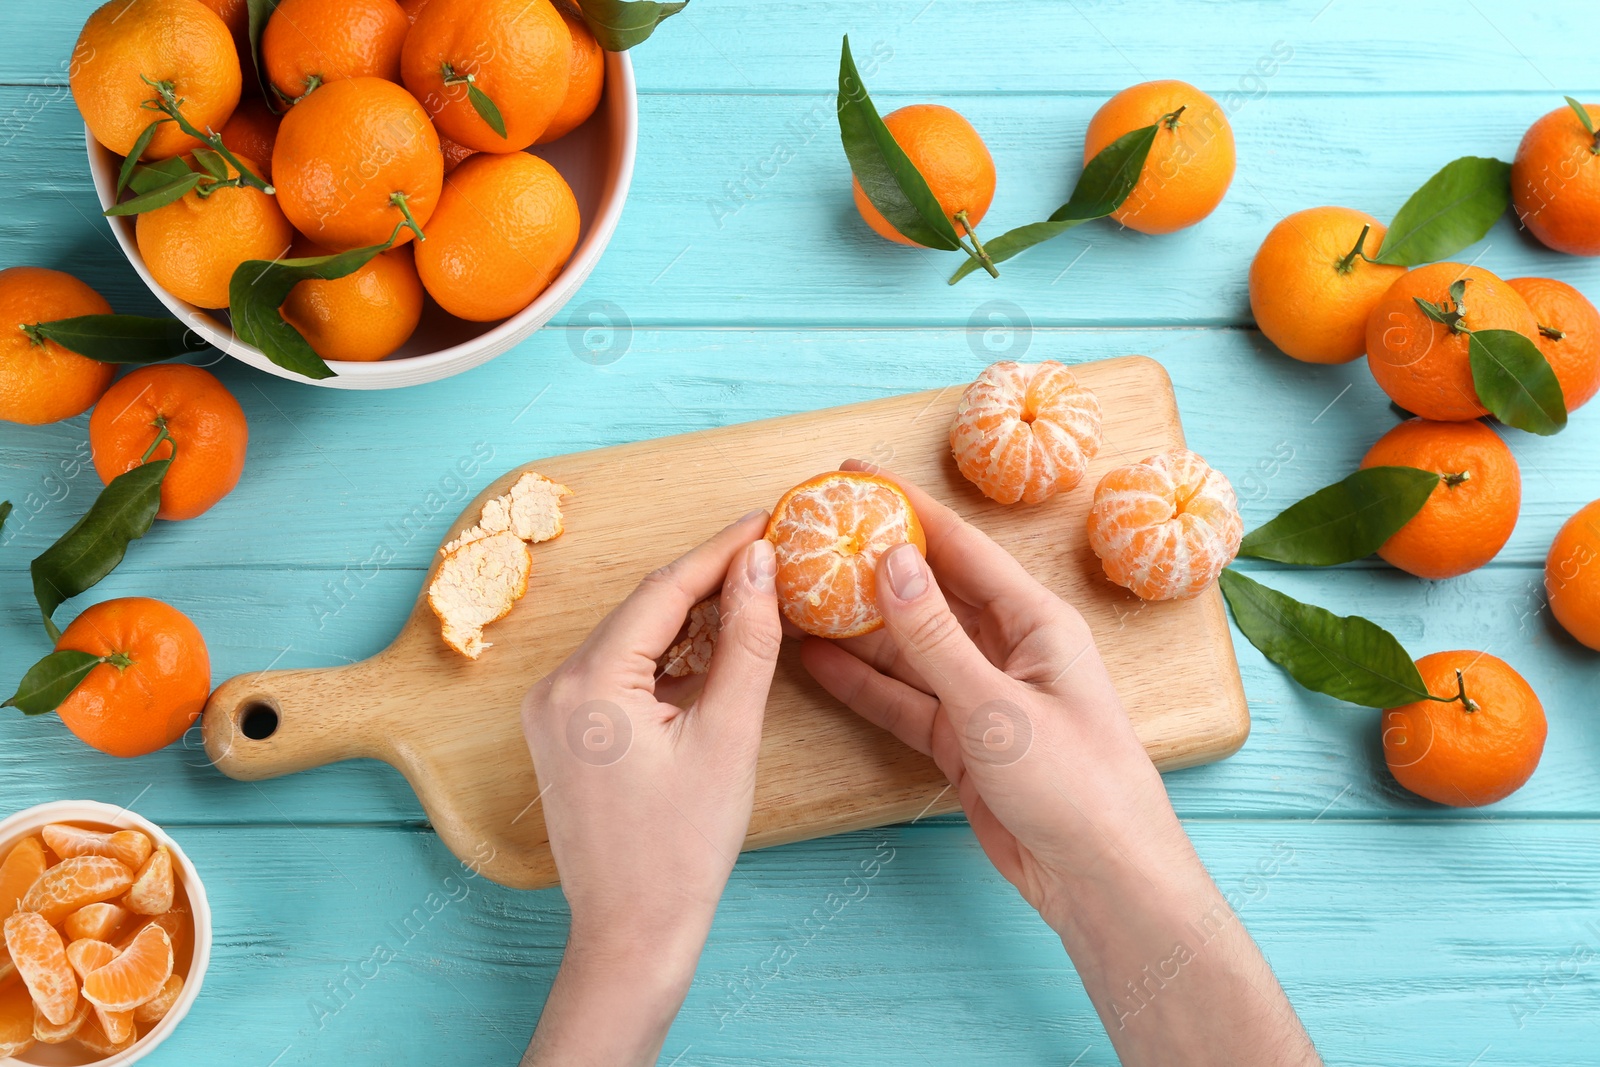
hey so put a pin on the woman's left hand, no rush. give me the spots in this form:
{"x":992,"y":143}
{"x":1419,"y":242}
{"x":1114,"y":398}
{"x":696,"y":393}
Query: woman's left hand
{"x":647,"y":794}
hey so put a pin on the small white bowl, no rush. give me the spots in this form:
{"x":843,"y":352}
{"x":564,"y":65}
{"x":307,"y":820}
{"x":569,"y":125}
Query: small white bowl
{"x":596,"y":159}
{"x":31,"y":821}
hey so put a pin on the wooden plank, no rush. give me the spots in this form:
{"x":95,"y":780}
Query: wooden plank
{"x":451,"y":725}
{"x":1353,"y":46}
{"x":752,"y":240}
{"x":1397,"y":943}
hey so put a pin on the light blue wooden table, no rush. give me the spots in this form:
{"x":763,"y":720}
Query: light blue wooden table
{"x":1403,"y":932}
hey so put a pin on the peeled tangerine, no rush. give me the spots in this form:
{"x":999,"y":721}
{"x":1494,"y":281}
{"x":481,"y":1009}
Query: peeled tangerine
{"x":1025,"y":431}
{"x":1166,"y":526}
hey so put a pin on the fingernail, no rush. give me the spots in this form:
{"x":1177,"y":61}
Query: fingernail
{"x":907,"y":575}
{"x":750,"y":515}
{"x":762,"y":566}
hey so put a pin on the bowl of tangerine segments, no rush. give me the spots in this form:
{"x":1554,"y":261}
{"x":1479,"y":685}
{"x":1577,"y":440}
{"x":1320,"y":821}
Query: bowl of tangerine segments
{"x":485,"y":146}
{"x":107,"y":935}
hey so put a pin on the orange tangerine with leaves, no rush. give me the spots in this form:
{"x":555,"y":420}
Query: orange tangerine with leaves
{"x":1424,"y":365}
{"x":1312,"y":288}
{"x":252,"y":133}
{"x":1025,"y":431}
{"x":1569,"y":335}
{"x":1478,"y":741}
{"x":363,"y":316}
{"x":307,"y":43}
{"x":586,"y":79}
{"x":40,"y":381}
{"x":950,"y":156}
{"x":1571,"y":577}
{"x":514,"y":54}
{"x":182,"y":45}
{"x":828,"y":533}
{"x":1471,"y":513}
{"x":177,"y":412}
{"x":1191,"y":160}
{"x":1555,"y":180}
{"x":1166,"y":526}
{"x":152,"y":681}
{"x":356,"y":159}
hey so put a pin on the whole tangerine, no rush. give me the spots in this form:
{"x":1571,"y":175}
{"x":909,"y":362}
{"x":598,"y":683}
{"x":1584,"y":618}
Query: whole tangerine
{"x":39,"y":380}
{"x":1312,"y":289}
{"x":586,"y":79}
{"x":1555,"y":181}
{"x":1025,"y":431}
{"x":1572,"y":575}
{"x":363,"y":316}
{"x":1477,"y":743}
{"x":1424,"y":365}
{"x":828,"y":534}
{"x":1569,"y":335}
{"x":1470,"y":514}
{"x":518,"y":53}
{"x":253,"y":132}
{"x":307,"y":43}
{"x":1191,"y":161}
{"x":505,"y":227}
{"x":181,"y":43}
{"x":153,"y":684}
{"x":1164,"y":527}
{"x":354,"y":160}
{"x":950,"y":156}
{"x":205,"y":428}
{"x":193,"y":245}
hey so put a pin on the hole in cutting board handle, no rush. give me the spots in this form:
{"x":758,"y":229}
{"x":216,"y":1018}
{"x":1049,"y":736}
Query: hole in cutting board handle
{"x":258,"y":721}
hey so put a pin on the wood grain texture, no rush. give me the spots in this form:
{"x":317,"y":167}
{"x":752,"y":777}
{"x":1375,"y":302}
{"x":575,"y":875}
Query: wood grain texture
{"x":452,"y":727}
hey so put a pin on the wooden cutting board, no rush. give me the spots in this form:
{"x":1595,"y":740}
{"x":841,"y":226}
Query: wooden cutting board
{"x":452,"y":726}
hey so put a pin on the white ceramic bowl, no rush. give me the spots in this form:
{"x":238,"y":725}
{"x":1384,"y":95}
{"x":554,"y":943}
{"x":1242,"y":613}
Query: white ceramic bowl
{"x":597,"y":161}
{"x":31,"y":821}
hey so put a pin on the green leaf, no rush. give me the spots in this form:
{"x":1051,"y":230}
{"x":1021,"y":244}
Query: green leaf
{"x":887,"y":176}
{"x":1102,"y":187}
{"x":620,"y":24}
{"x":148,"y":177}
{"x":260,"y":11}
{"x":486,"y":109}
{"x":1344,"y":656}
{"x":258,"y":289}
{"x":5,"y":512}
{"x":1515,"y":382}
{"x":52,"y":680}
{"x":155,"y":198}
{"x":95,"y":545}
{"x":122,"y":338}
{"x":131,"y":160}
{"x":1452,"y":210}
{"x":214,"y":164}
{"x":1348,"y":520}
{"x":1582,"y":113}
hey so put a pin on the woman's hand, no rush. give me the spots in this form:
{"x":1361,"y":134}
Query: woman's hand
{"x":991,"y":674}
{"x":647,"y":802}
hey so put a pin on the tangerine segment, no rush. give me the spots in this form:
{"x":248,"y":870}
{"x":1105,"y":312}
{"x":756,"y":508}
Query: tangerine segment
{"x":1025,"y":431}
{"x":155,"y":1009}
{"x":41,"y":959}
{"x":151,"y":892}
{"x":828,"y":533}
{"x":21,"y":868}
{"x":175,"y":924}
{"x":1166,"y":526}
{"x":118,"y":1025}
{"x":95,"y":921}
{"x":16,"y":1020}
{"x":49,"y":1033}
{"x":128,"y":847}
{"x":90,"y":955}
{"x":92,"y":1036}
{"x":74,"y":883}
{"x":135,"y":976}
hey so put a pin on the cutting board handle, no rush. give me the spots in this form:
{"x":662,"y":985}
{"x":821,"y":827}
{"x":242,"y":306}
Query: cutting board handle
{"x":270,"y":723}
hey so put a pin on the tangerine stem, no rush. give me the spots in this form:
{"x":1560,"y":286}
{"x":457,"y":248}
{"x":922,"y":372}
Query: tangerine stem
{"x":167,"y":101}
{"x":162,"y":435}
{"x":1170,"y":120}
{"x":399,"y":200}
{"x":977,"y":251}
{"x":34,"y":332}
{"x":1453,"y":480}
{"x":1348,"y":263}
{"x":1551,"y":332}
{"x":120,"y":660}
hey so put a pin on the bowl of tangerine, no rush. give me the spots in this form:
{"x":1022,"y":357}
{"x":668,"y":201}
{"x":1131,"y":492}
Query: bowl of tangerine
{"x":107,"y":934}
{"x":362,"y":193}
